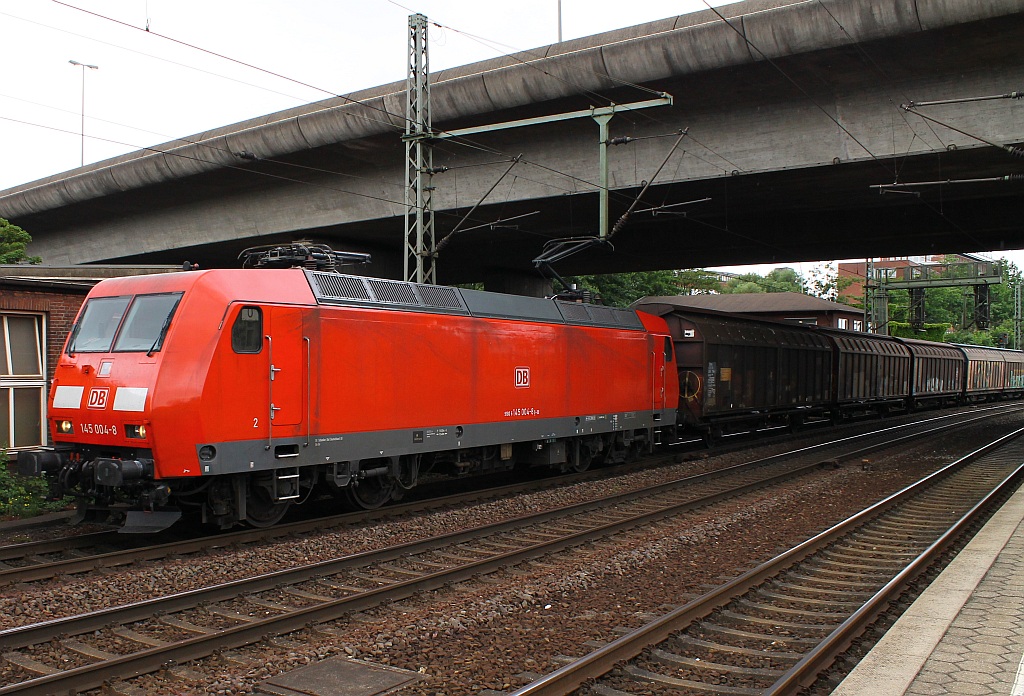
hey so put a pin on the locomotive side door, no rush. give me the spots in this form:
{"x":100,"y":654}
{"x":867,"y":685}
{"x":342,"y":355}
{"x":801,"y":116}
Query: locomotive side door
{"x":286,"y":367}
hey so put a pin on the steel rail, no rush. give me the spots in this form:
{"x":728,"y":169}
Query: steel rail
{"x":42,"y":571}
{"x":244,"y":536}
{"x":143,"y":661}
{"x":806,"y":671}
{"x":597,"y":663}
{"x":90,"y":676}
{"x":13,"y":552}
{"x":111,"y":559}
{"x":43,"y":631}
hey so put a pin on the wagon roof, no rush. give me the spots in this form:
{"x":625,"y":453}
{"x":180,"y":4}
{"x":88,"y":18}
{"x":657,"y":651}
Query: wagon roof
{"x":754,"y":302}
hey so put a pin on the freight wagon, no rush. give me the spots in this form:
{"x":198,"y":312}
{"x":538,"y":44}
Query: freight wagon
{"x":739,"y":373}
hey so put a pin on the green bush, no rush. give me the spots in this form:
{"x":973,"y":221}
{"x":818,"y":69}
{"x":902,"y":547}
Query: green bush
{"x":930,"y":332}
{"x":21,"y":496}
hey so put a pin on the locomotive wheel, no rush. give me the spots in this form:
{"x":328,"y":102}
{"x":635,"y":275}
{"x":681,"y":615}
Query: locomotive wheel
{"x":371,"y":493}
{"x":261,"y":511}
{"x":580,"y":462}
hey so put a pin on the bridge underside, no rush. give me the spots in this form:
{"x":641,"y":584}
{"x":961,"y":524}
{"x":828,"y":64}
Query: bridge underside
{"x":804,"y":214}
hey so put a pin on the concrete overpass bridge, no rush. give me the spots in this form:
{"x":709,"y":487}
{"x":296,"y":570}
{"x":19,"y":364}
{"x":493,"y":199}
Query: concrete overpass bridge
{"x":793,"y":111}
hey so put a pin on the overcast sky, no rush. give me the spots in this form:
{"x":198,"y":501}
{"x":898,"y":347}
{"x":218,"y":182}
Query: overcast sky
{"x":148,"y":90}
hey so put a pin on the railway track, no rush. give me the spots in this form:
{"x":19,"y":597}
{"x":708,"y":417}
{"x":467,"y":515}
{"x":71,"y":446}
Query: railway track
{"x":42,"y":560}
{"x":146,"y":636}
{"x":776,"y":628}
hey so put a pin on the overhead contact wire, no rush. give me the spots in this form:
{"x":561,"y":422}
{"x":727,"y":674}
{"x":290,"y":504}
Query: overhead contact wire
{"x":150,"y":55}
{"x":462,"y":141}
{"x":582,"y":91}
{"x":793,"y":82}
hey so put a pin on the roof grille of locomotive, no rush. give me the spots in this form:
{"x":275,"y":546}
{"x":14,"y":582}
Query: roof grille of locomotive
{"x":574,"y":311}
{"x":393,"y":292}
{"x":603,"y":315}
{"x":440,"y":296}
{"x":331,"y":285}
{"x":599,"y":315}
{"x":626,"y":317}
{"x":334,"y":288}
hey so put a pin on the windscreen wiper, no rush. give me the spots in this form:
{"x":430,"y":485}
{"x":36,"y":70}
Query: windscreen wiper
{"x":160,"y":336}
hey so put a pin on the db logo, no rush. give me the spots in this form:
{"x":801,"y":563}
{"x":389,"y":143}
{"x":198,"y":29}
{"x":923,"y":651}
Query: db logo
{"x":98,"y":397}
{"x":522,"y":377}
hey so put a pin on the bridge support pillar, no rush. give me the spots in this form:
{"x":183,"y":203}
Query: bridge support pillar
{"x":528,"y":284}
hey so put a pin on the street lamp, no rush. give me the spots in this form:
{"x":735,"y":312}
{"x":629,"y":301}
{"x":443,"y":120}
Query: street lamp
{"x":83,"y":66}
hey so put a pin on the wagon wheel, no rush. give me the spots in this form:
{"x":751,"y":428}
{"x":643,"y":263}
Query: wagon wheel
{"x":371,"y":493}
{"x":261,"y":511}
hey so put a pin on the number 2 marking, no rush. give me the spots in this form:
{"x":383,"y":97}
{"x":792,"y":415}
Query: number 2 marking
{"x":255,"y":422}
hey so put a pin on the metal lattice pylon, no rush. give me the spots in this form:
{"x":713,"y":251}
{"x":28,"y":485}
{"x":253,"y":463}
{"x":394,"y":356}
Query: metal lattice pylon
{"x":419,"y":210}
{"x":1017,"y":314}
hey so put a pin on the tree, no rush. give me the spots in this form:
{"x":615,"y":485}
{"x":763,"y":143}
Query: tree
{"x":825,"y":282}
{"x":621,"y":289}
{"x":746,"y":284}
{"x":697,"y":281}
{"x":13,"y":241}
{"x":777,"y":280}
{"x":785,"y":280}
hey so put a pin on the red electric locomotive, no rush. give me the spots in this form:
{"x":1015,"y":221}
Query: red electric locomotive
{"x":237,"y":392}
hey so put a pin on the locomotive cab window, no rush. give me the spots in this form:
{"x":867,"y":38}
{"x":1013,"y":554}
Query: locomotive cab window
{"x":95,"y":329}
{"x":146,"y":323}
{"x":123,"y":324}
{"x":247,"y":331}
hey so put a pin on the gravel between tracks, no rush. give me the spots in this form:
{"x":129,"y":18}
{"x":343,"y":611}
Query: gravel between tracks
{"x":481,"y":635}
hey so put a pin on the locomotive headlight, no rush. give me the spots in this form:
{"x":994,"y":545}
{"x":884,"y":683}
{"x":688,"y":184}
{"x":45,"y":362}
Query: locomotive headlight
{"x":135,"y":432}
{"x":65,"y":427}
{"x":207,"y":452}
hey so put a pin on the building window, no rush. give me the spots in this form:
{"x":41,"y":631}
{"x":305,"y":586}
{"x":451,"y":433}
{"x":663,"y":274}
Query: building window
{"x":22,"y":381}
{"x":858,"y":325}
{"x":842,"y":323}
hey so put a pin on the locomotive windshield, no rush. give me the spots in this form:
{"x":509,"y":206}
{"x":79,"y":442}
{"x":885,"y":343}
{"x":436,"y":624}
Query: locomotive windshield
{"x":127,"y":323}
